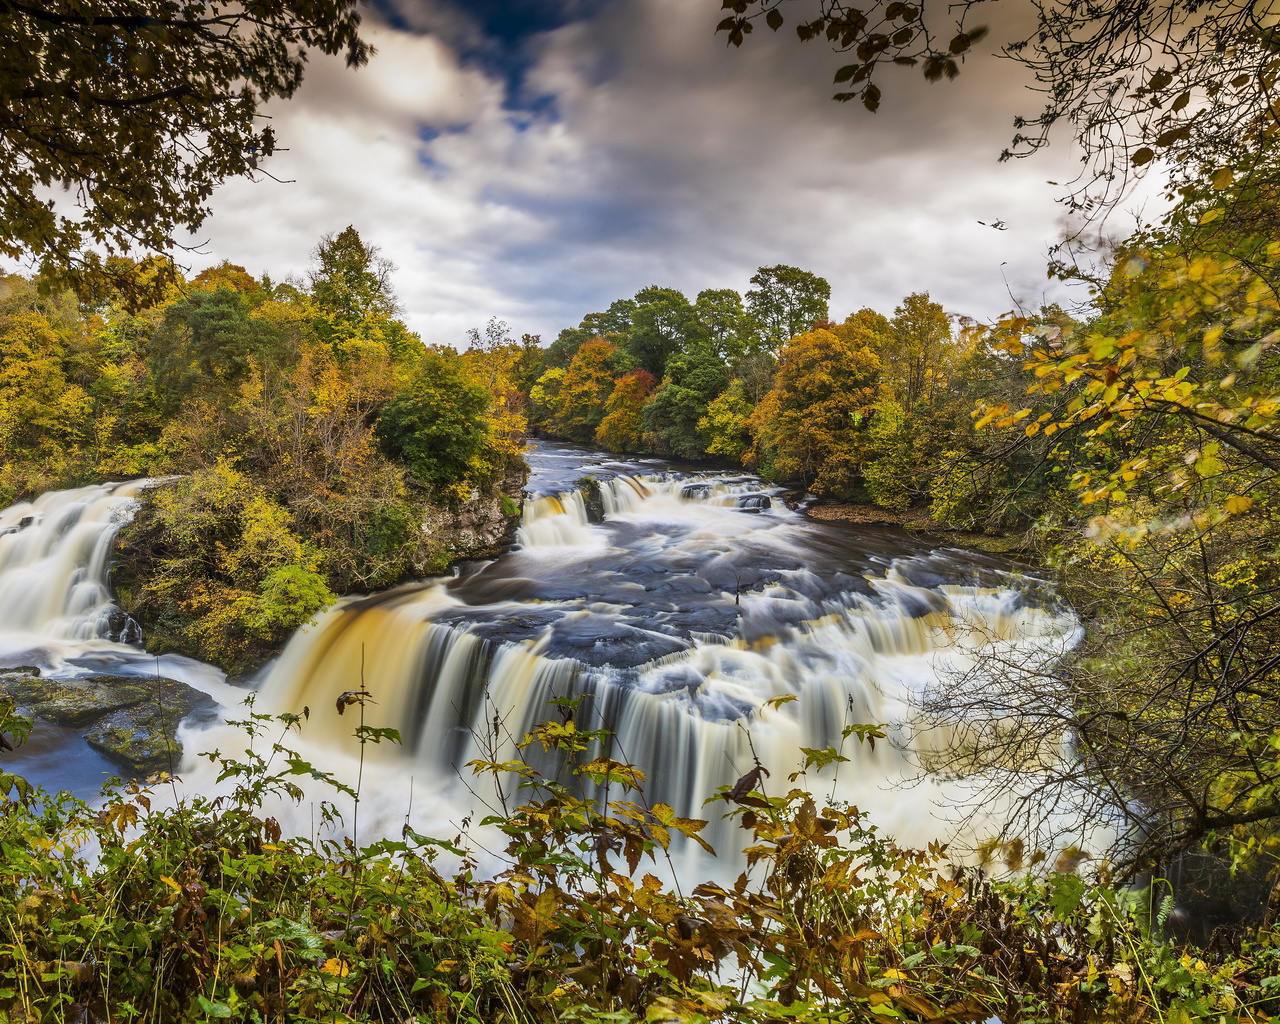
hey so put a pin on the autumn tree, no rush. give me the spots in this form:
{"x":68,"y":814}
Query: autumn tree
{"x":725,"y":425}
{"x":809,"y":427}
{"x":582,"y":392}
{"x":139,"y":111}
{"x":921,"y":351}
{"x":622,"y":428}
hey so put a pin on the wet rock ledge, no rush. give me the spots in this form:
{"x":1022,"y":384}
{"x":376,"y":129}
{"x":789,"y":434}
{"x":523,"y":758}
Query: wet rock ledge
{"x":131,"y":720}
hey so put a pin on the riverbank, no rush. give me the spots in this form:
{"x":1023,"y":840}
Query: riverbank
{"x":918,"y":520}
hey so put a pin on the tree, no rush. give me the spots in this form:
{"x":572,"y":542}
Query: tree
{"x":587,"y":383}
{"x":660,"y":325}
{"x":786,"y":301}
{"x":140,"y":110}
{"x":921,"y":334}
{"x":671,"y":418}
{"x":437,"y":426}
{"x":809,"y":426}
{"x":1137,"y":80}
{"x":724,"y":427}
{"x":205,"y":340}
{"x":623,"y":423}
{"x":724,"y":325}
{"x":351,"y":287}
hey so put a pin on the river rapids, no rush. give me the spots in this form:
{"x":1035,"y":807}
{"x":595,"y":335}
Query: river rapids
{"x":674,"y":605}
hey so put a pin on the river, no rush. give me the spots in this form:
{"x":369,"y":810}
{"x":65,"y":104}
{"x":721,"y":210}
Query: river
{"x":674,"y":605}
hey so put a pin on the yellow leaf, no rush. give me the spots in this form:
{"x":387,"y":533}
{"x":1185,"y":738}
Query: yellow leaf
{"x":335,"y":966}
{"x":175,"y":886}
{"x":1238,"y":503}
{"x":1223,"y":178}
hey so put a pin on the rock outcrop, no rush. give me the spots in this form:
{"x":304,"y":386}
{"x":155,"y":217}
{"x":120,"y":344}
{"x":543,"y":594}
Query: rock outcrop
{"x":129,"y":719}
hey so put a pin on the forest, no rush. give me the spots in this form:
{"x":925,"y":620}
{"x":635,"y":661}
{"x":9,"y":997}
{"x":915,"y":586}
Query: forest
{"x":306,"y":444}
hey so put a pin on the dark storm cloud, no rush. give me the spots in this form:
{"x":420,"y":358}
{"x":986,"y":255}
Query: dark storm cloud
{"x":536,"y":161}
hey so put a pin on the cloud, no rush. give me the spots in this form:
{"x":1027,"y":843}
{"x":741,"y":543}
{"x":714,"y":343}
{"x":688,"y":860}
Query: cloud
{"x":540,"y":174}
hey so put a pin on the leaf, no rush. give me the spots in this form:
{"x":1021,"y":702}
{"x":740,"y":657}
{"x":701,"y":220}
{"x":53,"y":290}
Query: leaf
{"x":1222,"y":178}
{"x":960,"y":43}
{"x":774,"y":19}
{"x":1209,"y":216}
{"x":1238,"y":503}
{"x":748,"y":782}
{"x":1142,"y":156}
{"x":212,"y":1009}
{"x":871,"y":98}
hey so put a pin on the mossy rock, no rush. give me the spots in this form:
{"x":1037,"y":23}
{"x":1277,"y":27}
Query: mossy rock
{"x":132,"y":720}
{"x":75,"y":703}
{"x":142,"y":737}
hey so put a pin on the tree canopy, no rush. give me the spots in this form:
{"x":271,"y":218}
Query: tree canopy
{"x":140,"y":110}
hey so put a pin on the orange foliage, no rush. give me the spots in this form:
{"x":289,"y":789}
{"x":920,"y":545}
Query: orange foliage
{"x":587,"y":384}
{"x":623,"y":425}
{"x":809,"y":425}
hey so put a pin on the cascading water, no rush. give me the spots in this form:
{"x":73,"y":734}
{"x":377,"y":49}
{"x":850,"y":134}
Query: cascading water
{"x":53,"y":562}
{"x":56,"y":609}
{"x":675,"y":606}
{"x":677,"y":619}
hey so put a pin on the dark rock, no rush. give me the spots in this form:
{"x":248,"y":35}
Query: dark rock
{"x":142,"y":737}
{"x":130,"y":719}
{"x":74,"y":703}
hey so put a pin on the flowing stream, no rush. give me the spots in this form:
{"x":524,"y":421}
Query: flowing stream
{"x":675,"y":606}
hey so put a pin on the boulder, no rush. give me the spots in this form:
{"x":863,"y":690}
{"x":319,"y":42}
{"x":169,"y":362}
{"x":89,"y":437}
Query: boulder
{"x":130,"y":719}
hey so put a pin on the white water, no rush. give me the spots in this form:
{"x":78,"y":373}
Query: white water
{"x":56,"y":609}
{"x":677,"y":621}
{"x":663,"y":622}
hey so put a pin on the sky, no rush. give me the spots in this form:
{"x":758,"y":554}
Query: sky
{"x":534,"y":160}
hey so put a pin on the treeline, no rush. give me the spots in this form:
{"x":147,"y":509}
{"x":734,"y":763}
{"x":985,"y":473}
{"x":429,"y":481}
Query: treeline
{"x":859,"y":409}
{"x":313,"y":432}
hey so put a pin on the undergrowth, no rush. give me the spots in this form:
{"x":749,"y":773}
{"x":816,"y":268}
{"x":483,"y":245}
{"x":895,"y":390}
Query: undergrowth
{"x":129,"y":912}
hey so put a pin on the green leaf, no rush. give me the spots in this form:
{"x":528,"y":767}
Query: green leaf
{"x":213,"y":1009}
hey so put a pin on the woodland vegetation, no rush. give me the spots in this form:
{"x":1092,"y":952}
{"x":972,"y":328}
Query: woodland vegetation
{"x":311,"y":434}
{"x":1132,"y":446}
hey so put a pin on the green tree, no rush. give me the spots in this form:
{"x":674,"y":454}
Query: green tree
{"x":723,"y":323}
{"x":786,"y":301}
{"x":437,"y":426}
{"x":661,"y":324}
{"x":140,"y":110}
{"x":671,"y":418}
{"x":351,"y":289}
{"x":205,"y":340}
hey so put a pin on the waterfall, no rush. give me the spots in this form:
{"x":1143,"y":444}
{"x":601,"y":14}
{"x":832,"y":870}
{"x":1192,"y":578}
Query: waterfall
{"x":676,"y":621}
{"x":53,"y":565}
{"x":56,"y":608}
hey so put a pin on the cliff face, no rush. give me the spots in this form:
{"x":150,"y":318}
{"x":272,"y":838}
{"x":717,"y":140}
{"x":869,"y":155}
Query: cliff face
{"x":484,"y":524}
